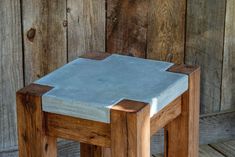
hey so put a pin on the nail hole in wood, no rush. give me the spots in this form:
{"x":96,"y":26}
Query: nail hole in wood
{"x":68,"y":10}
{"x":65,"y":23}
{"x":114,"y":19}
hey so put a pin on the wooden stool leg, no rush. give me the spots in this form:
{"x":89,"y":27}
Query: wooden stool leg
{"x":87,"y":150}
{"x":182,"y":134}
{"x":130,"y":129}
{"x":33,"y":142}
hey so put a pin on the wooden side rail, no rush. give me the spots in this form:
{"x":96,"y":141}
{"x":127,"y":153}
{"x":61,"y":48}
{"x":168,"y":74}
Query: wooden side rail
{"x":98,"y":133}
{"x":82,"y":130}
{"x":165,"y":115}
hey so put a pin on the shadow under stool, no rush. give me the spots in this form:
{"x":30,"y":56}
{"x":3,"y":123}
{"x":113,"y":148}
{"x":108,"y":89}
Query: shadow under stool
{"x":112,"y":104}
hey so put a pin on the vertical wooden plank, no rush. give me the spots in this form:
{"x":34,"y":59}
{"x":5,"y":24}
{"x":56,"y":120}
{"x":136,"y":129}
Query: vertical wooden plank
{"x":86,"y":27}
{"x":127,"y":27}
{"x":204,"y":47}
{"x":182,"y":134}
{"x":11,"y":73}
{"x":44,"y":37}
{"x":32,"y":138}
{"x":130,"y":129}
{"x":228,"y":76}
{"x":166,"y":30}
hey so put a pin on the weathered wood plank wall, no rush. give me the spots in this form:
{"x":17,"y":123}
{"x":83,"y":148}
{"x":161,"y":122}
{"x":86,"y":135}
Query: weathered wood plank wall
{"x":11,"y":70}
{"x":44,"y":37}
{"x":38,"y":36}
{"x":127,"y":27}
{"x":86,"y":26}
{"x":204,"y":46}
{"x":228,"y":75}
{"x":166,"y":27}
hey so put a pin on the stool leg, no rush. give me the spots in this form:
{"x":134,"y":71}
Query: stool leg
{"x":87,"y":150}
{"x":130,"y":129}
{"x":32,"y":139}
{"x":182,"y":134}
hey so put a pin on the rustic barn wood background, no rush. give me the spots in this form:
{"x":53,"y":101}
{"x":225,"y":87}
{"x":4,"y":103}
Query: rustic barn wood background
{"x":38,"y":36}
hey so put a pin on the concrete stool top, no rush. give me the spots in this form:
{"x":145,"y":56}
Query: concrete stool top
{"x":88,"y":88}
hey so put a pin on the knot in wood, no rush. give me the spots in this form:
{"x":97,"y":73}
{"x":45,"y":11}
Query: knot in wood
{"x":31,"y":34}
{"x":46,"y":147}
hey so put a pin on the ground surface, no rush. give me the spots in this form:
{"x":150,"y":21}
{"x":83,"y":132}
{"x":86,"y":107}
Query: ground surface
{"x":223,"y":149}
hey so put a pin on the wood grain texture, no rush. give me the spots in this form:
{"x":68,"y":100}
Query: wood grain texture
{"x":217,"y":127}
{"x":86,"y":27}
{"x":68,"y":148}
{"x":226,"y":148}
{"x":9,"y":154}
{"x":87,"y":150}
{"x":207,"y":151}
{"x":130,"y":129}
{"x":182,"y":134}
{"x":95,"y":55}
{"x":127,"y":27}
{"x":32,"y":138}
{"x":91,"y":132}
{"x":72,"y":149}
{"x":204,"y":150}
{"x":157,"y":142}
{"x":166,"y":30}
{"x":44,"y":37}
{"x":204,"y":47}
{"x":11,"y":72}
{"x":213,"y":128}
{"x":228,"y":75}
{"x":165,"y":115}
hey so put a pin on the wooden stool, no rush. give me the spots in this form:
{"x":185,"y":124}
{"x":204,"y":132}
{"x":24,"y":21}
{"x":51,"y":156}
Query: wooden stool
{"x":112,"y":105}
